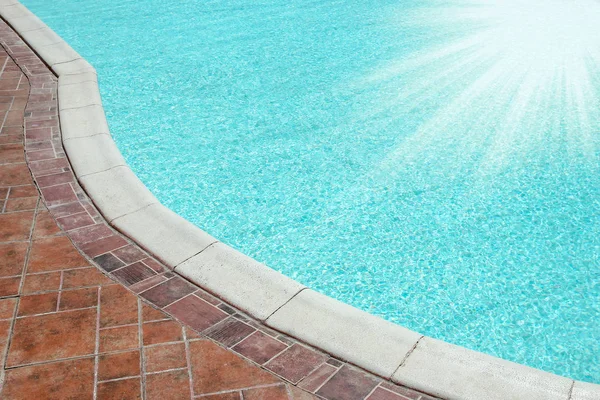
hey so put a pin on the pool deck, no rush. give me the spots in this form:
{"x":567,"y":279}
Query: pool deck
{"x":92,"y":274}
{"x":80,"y":305}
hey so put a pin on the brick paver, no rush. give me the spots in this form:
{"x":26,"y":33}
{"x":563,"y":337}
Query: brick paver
{"x":86,"y":314}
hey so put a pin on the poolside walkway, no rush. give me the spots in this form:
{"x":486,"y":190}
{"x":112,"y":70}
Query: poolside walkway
{"x":86,"y":314}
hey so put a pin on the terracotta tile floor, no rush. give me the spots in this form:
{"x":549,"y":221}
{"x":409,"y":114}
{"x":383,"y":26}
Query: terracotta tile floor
{"x":86,"y":314}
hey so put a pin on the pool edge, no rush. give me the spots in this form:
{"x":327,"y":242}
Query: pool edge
{"x":381,"y":347}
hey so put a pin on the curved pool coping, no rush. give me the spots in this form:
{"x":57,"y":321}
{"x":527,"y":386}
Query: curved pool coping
{"x":379,"y":346}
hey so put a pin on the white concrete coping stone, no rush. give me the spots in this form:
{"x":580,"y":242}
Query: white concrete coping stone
{"x":117,"y":192}
{"x":585,"y":391}
{"x":160,"y":231}
{"x":72,"y":67}
{"x":85,"y":76}
{"x":4,"y":3}
{"x":345,"y":332}
{"x":78,"y":95}
{"x":452,"y":372}
{"x":24,"y":24}
{"x":83,"y":122}
{"x":92,"y":154}
{"x":42,"y":37}
{"x":15,"y":10}
{"x":240,"y":280}
{"x":369,"y":342}
{"x":57,"y":53}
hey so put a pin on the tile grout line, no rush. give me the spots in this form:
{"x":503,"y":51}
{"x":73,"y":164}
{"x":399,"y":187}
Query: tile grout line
{"x":141,"y":347}
{"x":97,"y":344}
{"x":21,"y":284}
{"x":188,"y":359}
{"x":337,"y":369}
{"x":60,"y":289}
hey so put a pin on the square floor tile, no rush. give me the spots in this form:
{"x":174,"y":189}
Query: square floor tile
{"x":54,"y":253}
{"x":216,"y":369}
{"x":52,"y":336}
{"x":172,"y":385}
{"x":164,"y":357}
{"x":73,"y":379}
{"x":118,"y":365}
{"x":15,"y":226}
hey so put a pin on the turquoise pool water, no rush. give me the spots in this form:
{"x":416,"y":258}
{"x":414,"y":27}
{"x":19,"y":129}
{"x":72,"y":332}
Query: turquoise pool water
{"x":432,"y":162}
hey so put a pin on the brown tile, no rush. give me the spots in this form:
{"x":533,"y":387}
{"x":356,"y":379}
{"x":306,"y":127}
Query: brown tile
{"x":15,"y":226}
{"x":11,"y":153}
{"x":348,"y":384}
{"x":208,"y":297}
{"x":4,"y":333}
{"x":119,"y":338}
{"x":223,"y":396}
{"x":102,"y":246}
{"x":11,"y":138}
{"x":72,"y":379}
{"x":259,"y":347}
{"x":118,"y":365}
{"x":23,"y":191}
{"x":168,"y":292}
{"x":64,"y":210}
{"x":14,"y":118}
{"x":299,"y":394}
{"x":229,"y":331}
{"x":383,"y":394}
{"x":54,"y":253}
{"x":41,"y":282}
{"x":45,"y":226}
{"x":191,"y":334}
{"x":78,"y":298}
{"x":162,"y":332}
{"x":53,"y":336}
{"x":404,"y":392}
{"x":133,"y":273}
{"x":59,"y":194}
{"x":125,"y":389}
{"x":147,"y":284}
{"x":313,"y":381}
{"x":152,"y":314}
{"x":117,"y":307}
{"x":14,"y":174}
{"x":196,"y":313}
{"x":40,"y":155}
{"x":12,"y":258}
{"x":164,"y":357}
{"x":37,"y":304}
{"x":129,"y":254}
{"x":75,"y":221}
{"x":109,"y":262}
{"x":21,"y":204}
{"x":84,"y":277}
{"x":334,"y":362}
{"x":296,"y":362}
{"x":172,"y":385}
{"x":91,"y":233}
{"x":9,"y":286}
{"x":54,"y":179}
{"x":154,"y":265}
{"x":266,"y":393}
{"x":215,"y":369}
{"x":7,"y":308}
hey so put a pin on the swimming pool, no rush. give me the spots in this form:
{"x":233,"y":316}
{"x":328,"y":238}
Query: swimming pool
{"x":433,"y":164}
